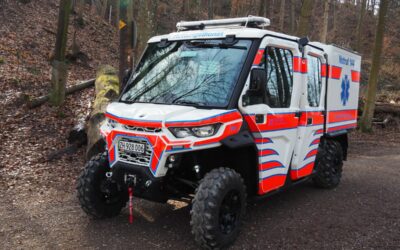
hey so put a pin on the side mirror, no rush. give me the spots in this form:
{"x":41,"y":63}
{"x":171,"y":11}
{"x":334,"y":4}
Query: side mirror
{"x":126,"y":76}
{"x":256,"y":93}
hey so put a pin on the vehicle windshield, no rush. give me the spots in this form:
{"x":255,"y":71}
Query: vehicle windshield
{"x":196,"y":72}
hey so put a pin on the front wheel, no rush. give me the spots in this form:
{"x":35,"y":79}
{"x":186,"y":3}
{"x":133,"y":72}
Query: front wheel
{"x":99,"y":196}
{"x":218,"y":208}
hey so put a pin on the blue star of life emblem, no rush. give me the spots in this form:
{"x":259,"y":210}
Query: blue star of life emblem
{"x":345,"y":94}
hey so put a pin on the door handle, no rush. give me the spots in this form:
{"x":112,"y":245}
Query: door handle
{"x":309,"y":121}
{"x":259,"y":118}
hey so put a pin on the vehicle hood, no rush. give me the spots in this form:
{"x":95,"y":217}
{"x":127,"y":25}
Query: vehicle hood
{"x":148,"y":112}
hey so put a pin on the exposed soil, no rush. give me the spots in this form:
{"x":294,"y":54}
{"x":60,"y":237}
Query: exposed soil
{"x":363,"y":212}
{"x":38,"y":204}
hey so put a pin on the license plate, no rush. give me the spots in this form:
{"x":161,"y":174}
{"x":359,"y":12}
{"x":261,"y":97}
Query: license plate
{"x":131,"y":147}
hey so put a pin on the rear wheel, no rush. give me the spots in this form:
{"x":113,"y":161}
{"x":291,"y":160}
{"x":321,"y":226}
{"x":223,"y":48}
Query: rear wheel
{"x":99,"y":196}
{"x":218,"y":208}
{"x":328,"y":164}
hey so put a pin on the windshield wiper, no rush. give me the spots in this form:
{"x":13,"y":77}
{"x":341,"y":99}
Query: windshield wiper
{"x":188,"y":103}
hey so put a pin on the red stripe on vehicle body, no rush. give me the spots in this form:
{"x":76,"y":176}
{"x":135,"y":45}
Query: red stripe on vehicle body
{"x":258,"y":57}
{"x":300,"y":65}
{"x":266,"y":152}
{"x":311,"y":153}
{"x":342,"y":115}
{"x":262,"y":140}
{"x":355,"y":76}
{"x":342,"y":127}
{"x":335,"y":72}
{"x":271,"y":183}
{"x":223,"y":118}
{"x":323,"y":70}
{"x":273,"y":122}
{"x":131,"y":122}
{"x":315,"y":142}
{"x":270,"y":165}
{"x":302,"y":172}
{"x":316,"y":116}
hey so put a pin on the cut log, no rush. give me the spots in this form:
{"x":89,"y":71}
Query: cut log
{"x":71,"y":89}
{"x":107,"y":90}
{"x":387,"y":108}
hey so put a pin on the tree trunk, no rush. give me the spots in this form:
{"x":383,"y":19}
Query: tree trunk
{"x":282,"y":16}
{"x":261,"y":8}
{"x":126,"y":38}
{"x":210,"y":9}
{"x":305,"y":15}
{"x":115,"y":13}
{"x":324,"y":32}
{"x":360,"y":24}
{"x":369,"y":107}
{"x":80,"y":9}
{"x":59,"y":67}
{"x":271,"y":9}
{"x":293,"y":16}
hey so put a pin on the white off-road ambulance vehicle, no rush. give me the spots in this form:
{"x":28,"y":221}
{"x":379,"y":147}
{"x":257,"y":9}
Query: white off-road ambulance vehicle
{"x":220,"y":111}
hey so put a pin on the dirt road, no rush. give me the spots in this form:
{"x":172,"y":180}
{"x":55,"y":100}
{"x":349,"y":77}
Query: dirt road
{"x":363,"y":212}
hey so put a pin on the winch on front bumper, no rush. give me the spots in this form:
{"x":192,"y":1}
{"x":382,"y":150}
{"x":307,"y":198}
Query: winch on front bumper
{"x":145,"y":184}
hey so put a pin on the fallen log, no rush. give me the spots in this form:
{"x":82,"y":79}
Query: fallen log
{"x":69,"y":90}
{"x":387,"y":108}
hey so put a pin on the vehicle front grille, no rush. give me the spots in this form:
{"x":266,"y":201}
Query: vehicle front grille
{"x":136,"y":158}
{"x":142,"y":129}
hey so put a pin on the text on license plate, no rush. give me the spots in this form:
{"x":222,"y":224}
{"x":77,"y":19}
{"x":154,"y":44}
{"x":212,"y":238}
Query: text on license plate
{"x":131,"y":147}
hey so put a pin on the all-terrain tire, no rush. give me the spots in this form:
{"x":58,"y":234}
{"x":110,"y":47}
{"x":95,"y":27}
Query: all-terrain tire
{"x":213,"y":225}
{"x":92,"y":198}
{"x":328,"y":164}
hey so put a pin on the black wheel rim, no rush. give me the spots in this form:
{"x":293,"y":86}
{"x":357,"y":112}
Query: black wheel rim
{"x":230,"y":211}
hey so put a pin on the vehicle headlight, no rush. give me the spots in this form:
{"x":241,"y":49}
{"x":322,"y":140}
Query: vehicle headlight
{"x":203,"y":131}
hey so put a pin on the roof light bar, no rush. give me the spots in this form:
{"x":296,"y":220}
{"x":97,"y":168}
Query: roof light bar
{"x":249,"y":21}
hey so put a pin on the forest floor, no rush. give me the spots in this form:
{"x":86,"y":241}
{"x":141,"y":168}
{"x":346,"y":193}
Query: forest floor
{"x":39,"y":208}
{"x":38,"y":204}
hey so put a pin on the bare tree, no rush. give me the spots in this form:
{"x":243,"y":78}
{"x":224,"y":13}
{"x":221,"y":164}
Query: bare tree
{"x":305,"y":14}
{"x":369,"y":106}
{"x":324,"y":32}
{"x":210,"y":9}
{"x":125,"y":38}
{"x":293,"y":16}
{"x":360,"y":24}
{"x":59,"y":67}
{"x":282,"y":15}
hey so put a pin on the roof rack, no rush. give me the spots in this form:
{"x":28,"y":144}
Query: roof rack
{"x":250,"y":21}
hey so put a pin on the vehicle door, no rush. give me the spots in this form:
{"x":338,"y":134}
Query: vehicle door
{"x":312,"y":113}
{"x":273,"y":119}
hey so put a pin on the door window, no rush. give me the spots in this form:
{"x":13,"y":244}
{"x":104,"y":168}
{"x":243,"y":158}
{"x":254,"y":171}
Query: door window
{"x":314,"y":81}
{"x":279,"y":67}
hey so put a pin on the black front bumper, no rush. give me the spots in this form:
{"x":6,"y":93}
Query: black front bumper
{"x":146,"y":185}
